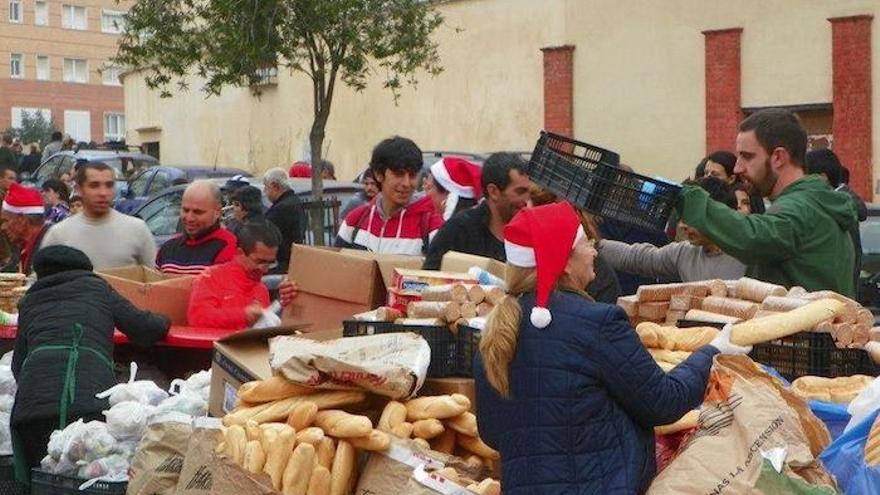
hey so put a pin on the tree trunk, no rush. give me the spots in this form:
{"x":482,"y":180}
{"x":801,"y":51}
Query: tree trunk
{"x":316,"y":141}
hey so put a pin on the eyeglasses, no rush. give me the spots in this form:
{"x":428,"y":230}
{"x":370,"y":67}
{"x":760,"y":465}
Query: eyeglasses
{"x":270,"y":264}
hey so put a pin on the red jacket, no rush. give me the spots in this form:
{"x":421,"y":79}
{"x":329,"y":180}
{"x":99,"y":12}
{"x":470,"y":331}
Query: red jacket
{"x":406,"y":232}
{"x":221,"y":294}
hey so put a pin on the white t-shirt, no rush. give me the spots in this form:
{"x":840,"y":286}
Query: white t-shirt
{"x":110,"y":242}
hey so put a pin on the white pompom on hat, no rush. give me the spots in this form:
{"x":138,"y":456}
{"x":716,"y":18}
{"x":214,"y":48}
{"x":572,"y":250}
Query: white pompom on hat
{"x":543,"y":238}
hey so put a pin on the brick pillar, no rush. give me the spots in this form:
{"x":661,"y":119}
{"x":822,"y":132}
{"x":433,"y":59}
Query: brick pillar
{"x":851,"y":66}
{"x":558,"y":89}
{"x":723,"y":88}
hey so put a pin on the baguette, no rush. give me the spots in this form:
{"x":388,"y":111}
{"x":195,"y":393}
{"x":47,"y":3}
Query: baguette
{"x":302,"y":416}
{"x":312,"y":435}
{"x":710,"y":317}
{"x":486,"y":487}
{"x":672,"y":357}
{"x":299,"y":470}
{"x":421,"y":442}
{"x":872,"y":446}
{"x":738,"y":308}
{"x":782,"y":325}
{"x":675,"y":339}
{"x":280,"y":410}
{"x":664,"y":292}
{"x":278,"y":454}
{"x":477,"y":446}
{"x":325,"y":451}
{"x":236,"y":442}
{"x":403,"y":430}
{"x":272,"y":389}
{"x":850,"y":314}
{"x":450,"y":292}
{"x":268,"y":437}
{"x":782,"y":303}
{"x":343,"y":467}
{"x":647,"y":333}
{"x":445,"y":442}
{"x":445,"y":310}
{"x":841,"y":390}
{"x":756,"y":290}
{"x":319,"y":483}
{"x":427,"y":428}
{"x":341,"y":424}
{"x":686,"y":422}
{"x":466,"y":424}
{"x":437,"y":407}
{"x":252,"y":430}
{"x":254,"y":457}
{"x":375,"y":441}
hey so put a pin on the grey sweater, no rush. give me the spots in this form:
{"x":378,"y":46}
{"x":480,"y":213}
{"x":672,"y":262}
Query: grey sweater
{"x":676,"y":260}
{"x":113,"y":241}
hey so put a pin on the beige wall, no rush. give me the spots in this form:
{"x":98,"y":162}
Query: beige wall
{"x":639,"y":85}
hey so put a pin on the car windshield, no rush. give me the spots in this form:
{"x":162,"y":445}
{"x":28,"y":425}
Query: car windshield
{"x":870,"y":231}
{"x":124,"y":167}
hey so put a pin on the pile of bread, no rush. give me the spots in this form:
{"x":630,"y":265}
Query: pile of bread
{"x":307,"y":440}
{"x":734,"y":301}
{"x":12,"y":288}
{"x":840,"y":390}
{"x":441,"y":305}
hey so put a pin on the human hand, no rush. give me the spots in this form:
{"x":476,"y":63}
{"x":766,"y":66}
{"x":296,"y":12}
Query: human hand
{"x":253,"y":312}
{"x":723,"y":344}
{"x":287,"y":291}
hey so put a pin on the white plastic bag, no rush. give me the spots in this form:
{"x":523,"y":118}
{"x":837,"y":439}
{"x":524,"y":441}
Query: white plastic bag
{"x":89,"y":442}
{"x":199,"y":384}
{"x":6,"y":360}
{"x":864,"y":404}
{"x":189,"y":403}
{"x":128,"y":420}
{"x":5,"y":434}
{"x":141,"y":391}
{"x":110,"y":466}
{"x":7,"y":380}
{"x":59,"y":439}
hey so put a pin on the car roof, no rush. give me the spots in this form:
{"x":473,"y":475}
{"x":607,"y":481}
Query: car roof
{"x":202,"y":170}
{"x":98,"y":154}
{"x":299,"y":186}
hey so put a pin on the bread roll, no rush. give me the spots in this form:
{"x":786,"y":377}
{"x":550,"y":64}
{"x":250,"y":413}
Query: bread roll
{"x":272,"y":389}
{"x":341,"y":424}
{"x":466,"y":424}
{"x":311,"y":435}
{"x":784,"y":324}
{"x":319,"y":483}
{"x":782,"y":303}
{"x":375,"y":441}
{"x":756,"y":290}
{"x":437,"y":407}
{"x":302,"y":416}
{"x":343,"y":467}
{"x":393,"y":414}
{"x":738,"y":308}
{"x":299,"y":470}
{"x":450,"y":292}
{"x":710,"y":317}
{"x":278,"y":456}
{"x":427,"y":428}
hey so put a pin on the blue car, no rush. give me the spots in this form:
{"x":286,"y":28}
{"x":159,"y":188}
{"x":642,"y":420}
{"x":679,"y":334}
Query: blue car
{"x":151,"y":181}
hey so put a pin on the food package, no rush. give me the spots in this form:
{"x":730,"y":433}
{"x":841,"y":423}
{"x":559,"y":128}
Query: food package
{"x":864,"y":404}
{"x":127,"y":420}
{"x":81,"y":442}
{"x":112,"y":467}
{"x":156,"y":466}
{"x":393,"y":365}
{"x":754,"y":437}
{"x":845,"y":459}
{"x":141,"y":391}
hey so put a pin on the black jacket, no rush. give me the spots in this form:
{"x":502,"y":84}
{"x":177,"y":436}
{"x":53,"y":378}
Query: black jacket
{"x":47,"y":316}
{"x":288,"y":215}
{"x":468,"y":232}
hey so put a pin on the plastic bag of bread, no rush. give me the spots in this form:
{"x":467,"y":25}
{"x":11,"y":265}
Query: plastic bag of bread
{"x":745,"y":415}
{"x":864,"y":404}
{"x":392,"y":364}
{"x":847,"y":458}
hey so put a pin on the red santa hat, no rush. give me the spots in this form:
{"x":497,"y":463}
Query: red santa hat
{"x":543,"y":238}
{"x":460,"y":177}
{"x":23,"y":200}
{"x":300,"y":170}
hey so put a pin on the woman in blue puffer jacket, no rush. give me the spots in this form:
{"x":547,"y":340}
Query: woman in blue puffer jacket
{"x":570,"y":396}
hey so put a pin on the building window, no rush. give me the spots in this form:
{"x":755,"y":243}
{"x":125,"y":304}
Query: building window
{"x":41,"y":13}
{"x":114,"y":126}
{"x":73,"y":17}
{"x":112,"y":21}
{"x":16,"y":70}
{"x":77,"y":123}
{"x":110,"y":75}
{"x":18,"y":115}
{"x":15,"y":11}
{"x":43,"y":68}
{"x":76,"y":70}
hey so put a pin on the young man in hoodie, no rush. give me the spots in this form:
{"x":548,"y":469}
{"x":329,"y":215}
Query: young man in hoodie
{"x":697,"y":258}
{"x":396,"y":221}
{"x":803,"y":238}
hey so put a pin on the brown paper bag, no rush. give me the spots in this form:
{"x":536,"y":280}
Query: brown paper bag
{"x":746,"y":413}
{"x":156,"y":465}
{"x":206,"y":473}
{"x":392,"y":364}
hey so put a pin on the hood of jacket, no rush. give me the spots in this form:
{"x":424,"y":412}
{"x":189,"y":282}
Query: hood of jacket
{"x":838,"y":205}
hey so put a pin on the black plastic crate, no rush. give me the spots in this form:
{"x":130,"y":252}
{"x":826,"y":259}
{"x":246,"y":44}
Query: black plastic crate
{"x":591,"y":178}
{"x":43,"y":483}
{"x":813,"y":353}
{"x":443,"y":343}
{"x":8,"y":485}
{"x":468,"y":347}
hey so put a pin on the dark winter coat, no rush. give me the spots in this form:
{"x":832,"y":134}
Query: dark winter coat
{"x":288,"y":214}
{"x":48,"y":314}
{"x":585,"y":397}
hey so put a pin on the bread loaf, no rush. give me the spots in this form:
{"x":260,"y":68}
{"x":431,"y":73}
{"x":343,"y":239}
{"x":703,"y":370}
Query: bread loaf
{"x":843,"y":333}
{"x":298,"y":471}
{"x":437,"y":407}
{"x":756,"y":290}
{"x":341,"y":424}
{"x":324,"y":452}
{"x":393,"y":414}
{"x":664,"y":292}
{"x":278,"y":455}
{"x":302,"y":416}
{"x":343,"y":467}
{"x":483,"y":309}
{"x":784,"y":324}
{"x":477,"y":446}
{"x":737,"y":308}
{"x":654,"y":311}
{"x":375,"y":441}
{"x":718,"y":288}
{"x":710,"y":317}
{"x":444,"y":310}
{"x":445,"y":442}
{"x":782,"y":303}
{"x":272,"y":389}
{"x":466,"y":424}
{"x":319,"y":483}
{"x":468,"y":310}
{"x":312,"y":435}
{"x":427,"y":428}
{"x":450,"y":292}
{"x":684,"y":302}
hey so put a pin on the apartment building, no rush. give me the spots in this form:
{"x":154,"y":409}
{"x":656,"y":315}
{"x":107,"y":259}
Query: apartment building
{"x":54,"y":59}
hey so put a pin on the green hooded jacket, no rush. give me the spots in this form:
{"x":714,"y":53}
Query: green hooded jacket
{"x":803,"y":239}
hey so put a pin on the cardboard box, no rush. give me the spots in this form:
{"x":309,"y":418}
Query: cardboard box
{"x":152,"y":290}
{"x":454,"y":261}
{"x":243,"y":357}
{"x":416,"y":280}
{"x":336,"y":284}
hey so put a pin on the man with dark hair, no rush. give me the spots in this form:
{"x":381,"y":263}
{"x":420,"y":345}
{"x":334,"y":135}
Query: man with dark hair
{"x":7,"y":155}
{"x":24,"y":223}
{"x":287,"y":213}
{"x":698,"y":258}
{"x":54,"y":146}
{"x":110,"y":239}
{"x":247,"y":207}
{"x":371,"y":189}
{"x":803,"y":238}
{"x":204,"y":242}
{"x":232,"y":295}
{"x":398,"y":221}
{"x":720,"y":164}
{"x":480,"y":230}
{"x":55,"y":197}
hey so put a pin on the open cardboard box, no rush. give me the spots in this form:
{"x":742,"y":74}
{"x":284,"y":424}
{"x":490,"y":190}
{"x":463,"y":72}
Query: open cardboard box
{"x":454,"y":261}
{"x":335,"y":284}
{"x":152,"y":290}
{"x":243,"y":357}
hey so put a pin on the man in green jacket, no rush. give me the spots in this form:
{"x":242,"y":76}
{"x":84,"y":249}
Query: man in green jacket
{"x":803,"y":238}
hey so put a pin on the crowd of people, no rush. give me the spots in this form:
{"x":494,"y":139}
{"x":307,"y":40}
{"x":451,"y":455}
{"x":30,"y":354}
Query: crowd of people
{"x":566,"y":269}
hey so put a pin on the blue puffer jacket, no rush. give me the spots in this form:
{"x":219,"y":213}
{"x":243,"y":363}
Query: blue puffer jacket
{"x":585,"y":396}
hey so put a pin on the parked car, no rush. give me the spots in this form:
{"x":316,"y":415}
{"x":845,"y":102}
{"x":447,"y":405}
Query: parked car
{"x":125,"y":164}
{"x":162,"y":211}
{"x":151,"y":181}
{"x":869,"y":279}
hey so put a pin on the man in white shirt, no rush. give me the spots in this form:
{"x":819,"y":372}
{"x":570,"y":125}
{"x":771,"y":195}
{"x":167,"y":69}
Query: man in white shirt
{"x":109,"y":238}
